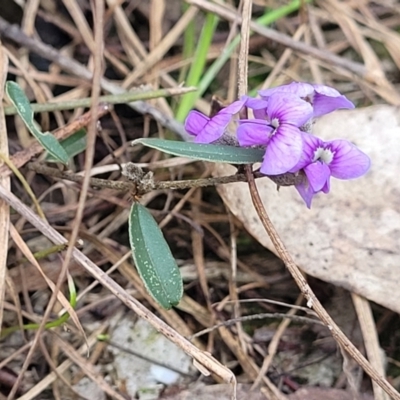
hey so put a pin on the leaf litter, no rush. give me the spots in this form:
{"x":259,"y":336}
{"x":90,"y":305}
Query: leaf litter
{"x":349,"y":239}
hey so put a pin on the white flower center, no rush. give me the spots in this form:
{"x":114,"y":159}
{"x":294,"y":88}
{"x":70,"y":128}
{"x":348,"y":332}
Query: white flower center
{"x":275,"y":122}
{"x":323,"y":155}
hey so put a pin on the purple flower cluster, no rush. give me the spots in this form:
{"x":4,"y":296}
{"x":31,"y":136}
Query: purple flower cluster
{"x":283,"y":118}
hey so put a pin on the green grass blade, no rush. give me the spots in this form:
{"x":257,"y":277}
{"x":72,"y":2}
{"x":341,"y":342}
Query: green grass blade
{"x":197,"y":67}
{"x":266,"y":19}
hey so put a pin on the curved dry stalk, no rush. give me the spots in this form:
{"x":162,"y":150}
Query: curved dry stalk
{"x":312,"y":300}
{"x":4,"y":182}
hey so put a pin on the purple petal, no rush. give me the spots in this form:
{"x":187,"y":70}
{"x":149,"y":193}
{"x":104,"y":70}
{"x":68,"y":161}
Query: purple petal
{"x":254,"y":132}
{"x":317,"y":174}
{"x":348,"y":161}
{"x":310,"y":144}
{"x":216,"y":126}
{"x":258,"y":106}
{"x":300,"y":89}
{"x":195,"y":122}
{"x":234,"y":108}
{"x":283,"y":151}
{"x":327,"y":186}
{"x":289,"y":109}
{"x":214,"y":129}
{"x":326,"y":90}
{"x":306,"y":193}
{"x":324,"y":104}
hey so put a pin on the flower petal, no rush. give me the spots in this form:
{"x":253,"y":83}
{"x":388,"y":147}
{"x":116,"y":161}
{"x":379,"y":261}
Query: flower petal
{"x":325,"y":104}
{"x":283,"y":151}
{"x":258,"y":106}
{"x":327,"y":186}
{"x":195,"y":122}
{"x":234,"y":108}
{"x":300,"y":89}
{"x":254,"y":132}
{"x":310,"y":144}
{"x":214,"y":129}
{"x":289,"y":109}
{"x":306,"y":193}
{"x":348,"y":161}
{"x":325,"y":90}
{"x":317,"y":174}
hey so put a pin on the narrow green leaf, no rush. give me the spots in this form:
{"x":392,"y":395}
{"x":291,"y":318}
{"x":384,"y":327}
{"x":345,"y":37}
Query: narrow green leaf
{"x":197,"y":66}
{"x":73,"y":145}
{"x":205,"y":152}
{"x":153,"y":258}
{"x":23,"y":107}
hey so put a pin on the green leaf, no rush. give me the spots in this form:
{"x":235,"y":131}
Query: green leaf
{"x":72,"y":145}
{"x":205,"y":152}
{"x":153,"y":258}
{"x":23,"y":107}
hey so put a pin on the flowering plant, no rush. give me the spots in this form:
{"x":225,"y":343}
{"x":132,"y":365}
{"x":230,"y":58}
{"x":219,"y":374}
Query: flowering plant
{"x":282,"y":125}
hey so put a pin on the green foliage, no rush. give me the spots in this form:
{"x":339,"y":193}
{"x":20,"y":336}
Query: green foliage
{"x":205,"y":152}
{"x":153,"y":258}
{"x":51,"y":324}
{"x":72,"y":145}
{"x":24,"y":110}
{"x":197,"y":66}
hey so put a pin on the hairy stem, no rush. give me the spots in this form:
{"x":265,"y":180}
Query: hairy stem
{"x":139,"y":189}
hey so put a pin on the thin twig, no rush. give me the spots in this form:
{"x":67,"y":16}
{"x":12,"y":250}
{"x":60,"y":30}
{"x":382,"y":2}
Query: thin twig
{"x":312,"y":300}
{"x":276,"y":339}
{"x":127,"y":350}
{"x":233,"y":321}
{"x":244,"y":48}
{"x":137,"y":188}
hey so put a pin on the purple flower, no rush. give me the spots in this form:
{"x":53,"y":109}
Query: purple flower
{"x":208,"y":130}
{"x":277,"y":128}
{"x":320,"y":160}
{"x":324,"y":99}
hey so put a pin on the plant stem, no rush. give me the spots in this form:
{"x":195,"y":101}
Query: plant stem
{"x":312,"y":300}
{"x":138,"y":190}
{"x":127,"y":97}
{"x":134,"y":188}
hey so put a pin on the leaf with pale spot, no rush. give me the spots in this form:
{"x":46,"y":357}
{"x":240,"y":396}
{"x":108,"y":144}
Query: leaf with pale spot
{"x":153,"y":258}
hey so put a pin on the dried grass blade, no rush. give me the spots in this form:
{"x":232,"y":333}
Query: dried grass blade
{"x":162,"y":48}
{"x":203,"y":358}
{"x":5,"y":183}
{"x":62,"y":368}
{"x":60,"y":296}
{"x":88,"y":369}
{"x":371,"y":340}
